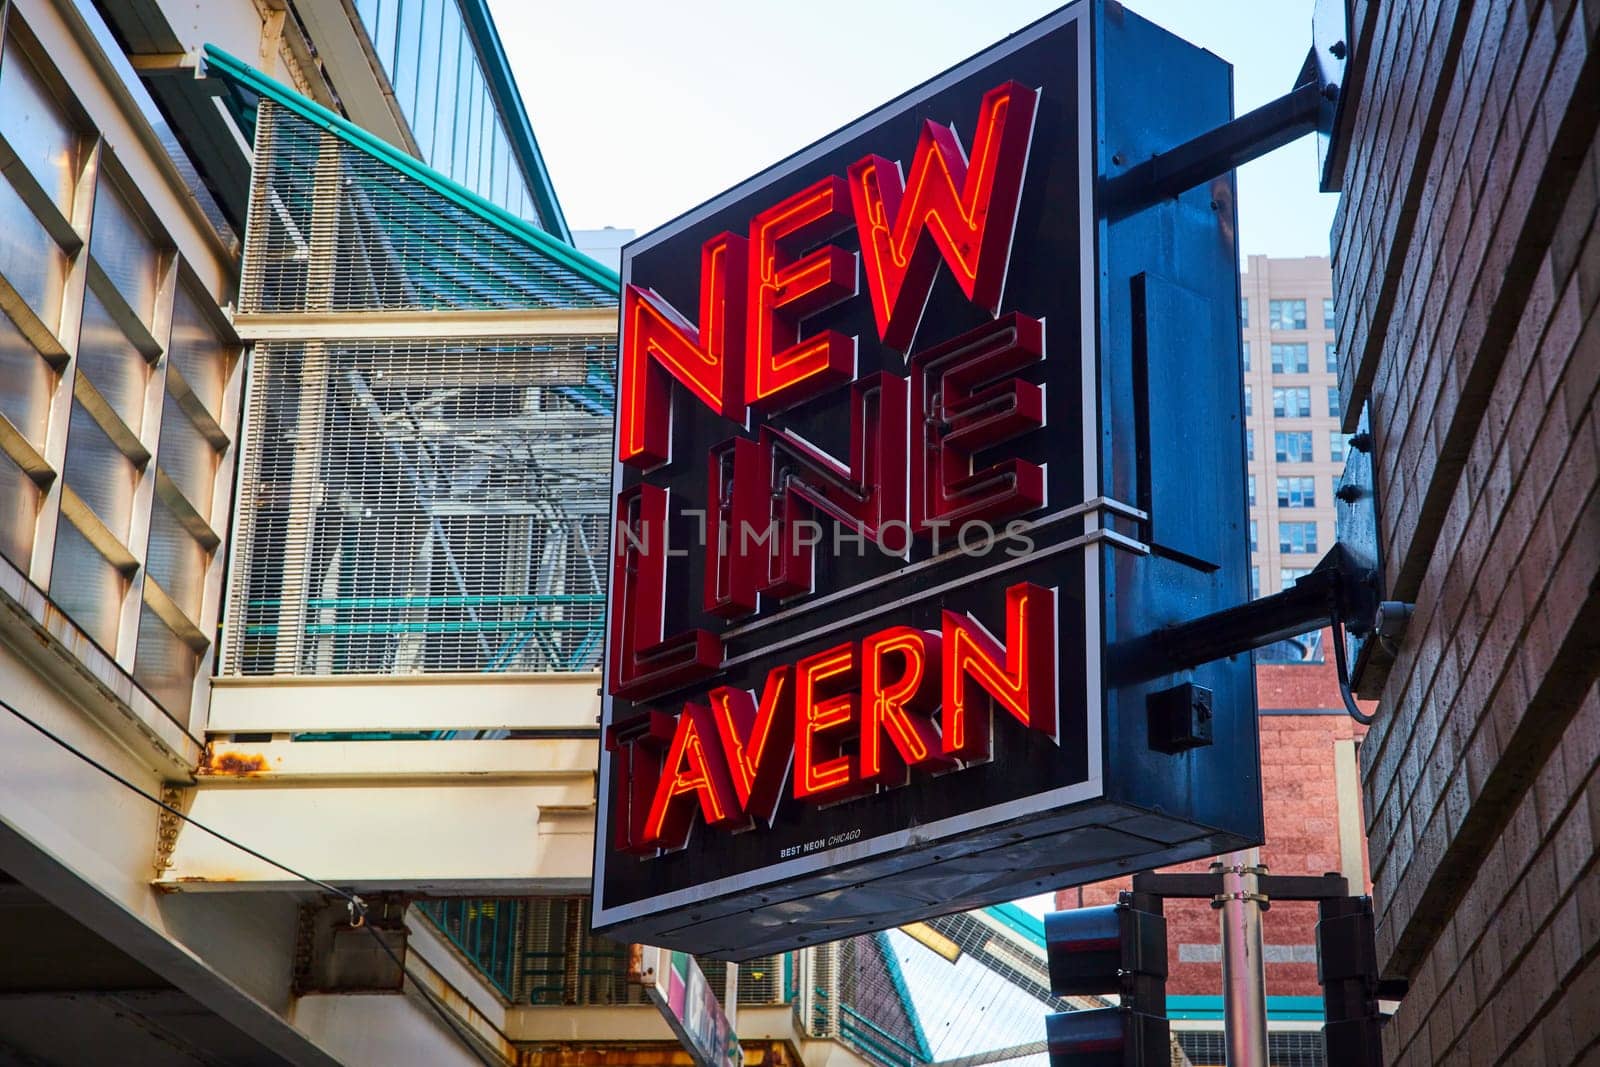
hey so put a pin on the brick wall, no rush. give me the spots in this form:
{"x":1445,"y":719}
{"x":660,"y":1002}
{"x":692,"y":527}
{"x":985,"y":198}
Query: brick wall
{"x":1467,"y":273}
{"x":1302,"y":822}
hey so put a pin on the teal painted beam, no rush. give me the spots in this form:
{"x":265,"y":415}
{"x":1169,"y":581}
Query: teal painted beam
{"x":1281,"y":1008}
{"x":1028,"y":926}
{"x":903,"y":991}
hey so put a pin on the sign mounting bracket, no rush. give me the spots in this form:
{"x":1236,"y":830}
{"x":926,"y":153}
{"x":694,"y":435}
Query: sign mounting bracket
{"x":1306,"y":108}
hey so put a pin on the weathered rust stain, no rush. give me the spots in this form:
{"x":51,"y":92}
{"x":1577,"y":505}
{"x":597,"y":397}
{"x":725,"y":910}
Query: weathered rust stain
{"x":651,"y":1054}
{"x":239,"y":763}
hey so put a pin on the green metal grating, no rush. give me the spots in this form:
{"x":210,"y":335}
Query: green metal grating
{"x":334,"y":227}
{"x":541,"y":951}
{"x":760,"y":979}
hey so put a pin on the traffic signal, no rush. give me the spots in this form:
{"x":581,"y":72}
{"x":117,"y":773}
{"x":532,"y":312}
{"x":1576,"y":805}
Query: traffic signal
{"x":1120,"y":949}
{"x":1347,"y":967}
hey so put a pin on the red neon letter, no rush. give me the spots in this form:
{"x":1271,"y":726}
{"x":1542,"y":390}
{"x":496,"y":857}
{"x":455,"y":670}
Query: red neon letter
{"x":644,"y":663}
{"x":965,"y":397}
{"x":823,"y":772}
{"x":758,"y":741}
{"x":694,"y":770}
{"x":901,"y":708}
{"x":1020,"y":677}
{"x":784,"y":367}
{"x":761,"y":495}
{"x":740,"y":500}
{"x":965,"y":213}
{"x":657,"y":342}
{"x":636,"y":746}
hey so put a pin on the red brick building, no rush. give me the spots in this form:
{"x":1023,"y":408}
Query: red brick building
{"x":1308,"y":758}
{"x":1467,"y":280}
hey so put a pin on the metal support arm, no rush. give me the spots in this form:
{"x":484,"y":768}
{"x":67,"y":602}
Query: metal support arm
{"x":1307,"y":107}
{"x":1332,"y":591}
{"x":1187,"y":886}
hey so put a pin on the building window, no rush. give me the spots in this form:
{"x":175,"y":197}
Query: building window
{"x":1254,"y":544}
{"x":1297,"y":537}
{"x":135,"y":450}
{"x":1244,"y":311}
{"x":1250,"y":444}
{"x":1250,"y":490}
{"x":1249,"y":401}
{"x":1255,"y":582}
{"x":1245,"y":354}
{"x":44,"y":140}
{"x":1297,"y":492}
{"x":1331,"y":354}
{"x":97,"y":547}
{"x":1327,"y":313}
{"x":1334,"y":407}
{"x":1292,"y":446}
{"x":1292,"y":403}
{"x":1286,"y":314}
{"x":1336,"y":445}
{"x":1290,"y":359}
{"x":499,"y":574}
{"x":1289,"y":575}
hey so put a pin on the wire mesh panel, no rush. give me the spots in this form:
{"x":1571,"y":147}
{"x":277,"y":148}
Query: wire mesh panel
{"x":334,"y":228}
{"x":423,"y":506}
{"x":818,"y":1003}
{"x":876,"y":1014}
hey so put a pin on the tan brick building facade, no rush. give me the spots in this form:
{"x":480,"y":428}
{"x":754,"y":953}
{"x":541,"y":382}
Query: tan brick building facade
{"x":1295,"y":449}
{"x":1467,"y":279}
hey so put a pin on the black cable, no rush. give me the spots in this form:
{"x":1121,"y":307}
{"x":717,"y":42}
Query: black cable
{"x":1344,"y":675}
{"x":358,"y":907}
{"x":349,"y":898}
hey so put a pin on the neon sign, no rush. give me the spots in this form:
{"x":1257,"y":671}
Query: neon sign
{"x":964,"y":215}
{"x":869,"y":510}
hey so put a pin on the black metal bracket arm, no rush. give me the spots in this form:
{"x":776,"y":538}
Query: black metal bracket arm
{"x":1306,"y":108}
{"x":1272,"y":886}
{"x":1338,"y":591}
{"x":1335,"y":589}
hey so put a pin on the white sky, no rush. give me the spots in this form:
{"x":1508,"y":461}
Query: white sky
{"x":644,"y":108}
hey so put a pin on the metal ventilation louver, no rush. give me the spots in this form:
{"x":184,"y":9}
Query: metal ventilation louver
{"x":564,"y":963}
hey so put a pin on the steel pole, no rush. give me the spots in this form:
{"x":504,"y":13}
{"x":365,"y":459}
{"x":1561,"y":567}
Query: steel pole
{"x":1244,"y":1000}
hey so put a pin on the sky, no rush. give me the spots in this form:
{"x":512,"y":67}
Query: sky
{"x":644,"y":109}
